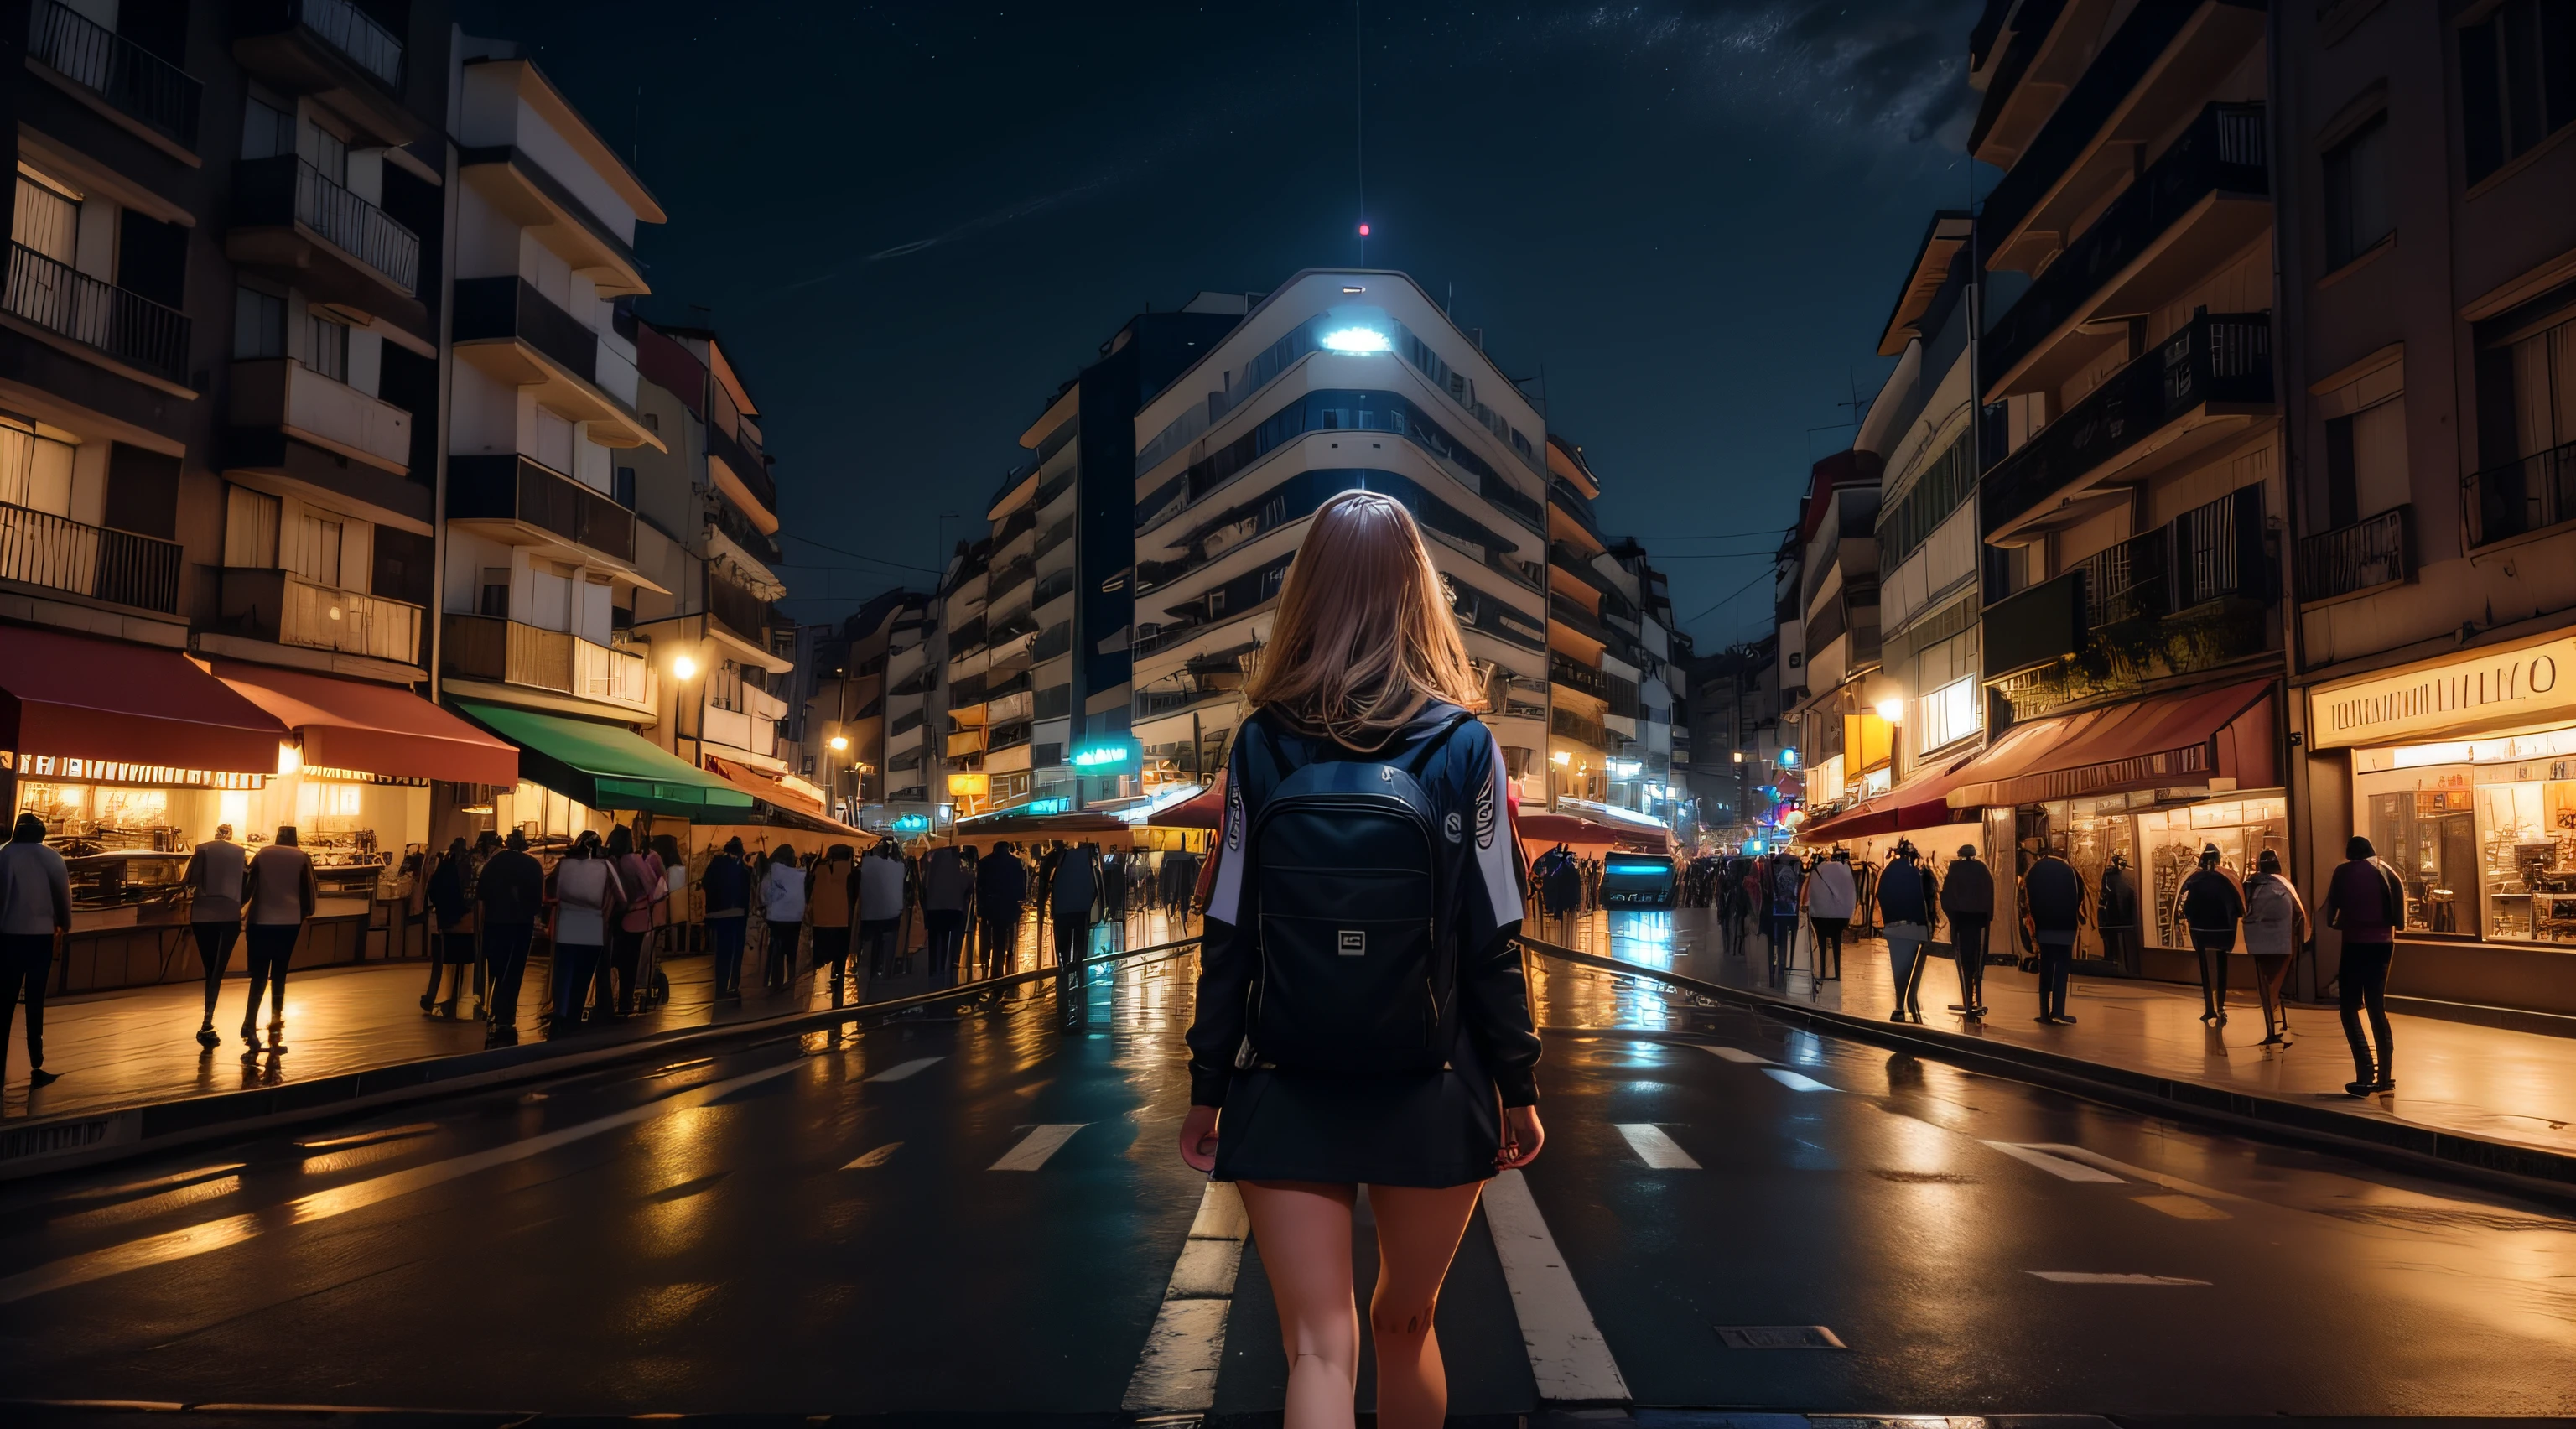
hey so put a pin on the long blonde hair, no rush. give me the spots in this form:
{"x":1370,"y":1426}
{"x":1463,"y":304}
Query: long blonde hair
{"x":1363,"y":634}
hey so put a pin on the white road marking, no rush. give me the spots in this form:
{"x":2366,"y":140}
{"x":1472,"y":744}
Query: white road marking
{"x":900,"y":1070}
{"x":1654,"y":1147}
{"x":1176,"y":1372}
{"x":2183,"y":1208}
{"x":1568,"y":1358}
{"x":1796,"y":1081}
{"x":2088,"y":1277}
{"x":2134,"y":1173}
{"x":1734,"y":1054}
{"x":2057,"y":1166}
{"x":1041,"y":1143}
{"x":878,"y":1157}
{"x":340,"y":1200}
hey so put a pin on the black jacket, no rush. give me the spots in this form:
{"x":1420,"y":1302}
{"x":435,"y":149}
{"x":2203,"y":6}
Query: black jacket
{"x":1001,"y":881}
{"x":2118,"y":907}
{"x":2056,"y":895}
{"x":1968,"y":889}
{"x":1906,"y":895}
{"x":512,"y":889}
{"x":2210,"y":901}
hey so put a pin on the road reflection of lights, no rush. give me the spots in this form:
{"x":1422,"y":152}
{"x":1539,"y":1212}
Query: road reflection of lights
{"x":1806,"y":1049}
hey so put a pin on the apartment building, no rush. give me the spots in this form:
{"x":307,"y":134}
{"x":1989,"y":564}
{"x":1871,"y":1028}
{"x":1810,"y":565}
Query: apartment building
{"x":1337,"y":380}
{"x":870,"y":701}
{"x":1846,"y":717}
{"x":2428,"y":308}
{"x":1735,"y":726}
{"x":1612,"y":668}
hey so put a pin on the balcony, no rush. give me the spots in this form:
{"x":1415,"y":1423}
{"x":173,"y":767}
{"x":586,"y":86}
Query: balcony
{"x":482,"y":647}
{"x":521,"y":189}
{"x":1567,"y":725}
{"x":285,"y":608}
{"x":283,"y":395}
{"x":1056,"y":641}
{"x":1584,"y":678}
{"x":333,"y":49}
{"x":1574,"y":617}
{"x":738,"y":613}
{"x":1010,"y":578}
{"x":516,"y":335}
{"x":126,"y":327}
{"x":529,"y":504}
{"x":730,"y":465}
{"x":291,"y":221}
{"x":2206,"y":381}
{"x":2204,"y":200}
{"x":134,"y":82}
{"x":726,"y":519}
{"x":2365,"y":555}
{"x":41,"y":549}
{"x":2516,"y":498}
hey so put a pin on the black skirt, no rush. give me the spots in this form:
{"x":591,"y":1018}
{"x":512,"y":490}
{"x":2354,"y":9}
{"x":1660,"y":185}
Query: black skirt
{"x":1439,"y":1128}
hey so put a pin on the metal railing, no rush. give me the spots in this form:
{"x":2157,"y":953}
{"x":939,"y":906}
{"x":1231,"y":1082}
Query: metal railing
{"x":738,"y":529}
{"x":2125,"y":581}
{"x":2369,"y":552}
{"x":746,"y":464}
{"x":1578,"y":677}
{"x":742,"y":614}
{"x":123,"y":73}
{"x":512,"y":307}
{"x":604,"y":672}
{"x":1591,"y":734}
{"x":352,"y":32}
{"x":2517,"y":497}
{"x":517,"y":488}
{"x":126,"y":326}
{"x":279,"y":605}
{"x":40,"y":548}
{"x":357,"y":226}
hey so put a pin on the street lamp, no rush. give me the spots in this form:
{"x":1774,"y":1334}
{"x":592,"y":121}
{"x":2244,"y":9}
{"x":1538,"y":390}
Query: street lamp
{"x":1891,"y":709}
{"x":685,"y":669}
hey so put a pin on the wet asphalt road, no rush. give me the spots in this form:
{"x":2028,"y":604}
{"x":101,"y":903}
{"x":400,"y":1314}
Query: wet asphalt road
{"x":980,"y":1213}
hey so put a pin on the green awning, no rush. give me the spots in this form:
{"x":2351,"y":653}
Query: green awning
{"x":607,"y":766}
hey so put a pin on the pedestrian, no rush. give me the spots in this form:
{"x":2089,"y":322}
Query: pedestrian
{"x":2367,"y":904}
{"x":670,"y":921}
{"x":1365,"y":663}
{"x":1909,"y":911}
{"x":35,"y":913}
{"x":881,"y":899}
{"x":1829,"y":896}
{"x":1074,"y":903}
{"x":2276,"y":927}
{"x":282,"y":894}
{"x":2211,"y":904}
{"x":588,"y":898}
{"x":639,"y":875}
{"x":831,"y":901}
{"x":2054,"y":893}
{"x":1786,"y":880}
{"x":2115,"y":916}
{"x":1001,"y":891}
{"x":508,"y":895}
{"x":946,"y":889}
{"x":725,"y":889}
{"x":1968,"y":899}
{"x":454,"y":956}
{"x":782,"y":902}
{"x":416,"y":901}
{"x":215,"y":878}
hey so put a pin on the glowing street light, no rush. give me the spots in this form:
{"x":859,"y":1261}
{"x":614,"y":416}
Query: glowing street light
{"x":1891,"y":710}
{"x":1356,"y":340}
{"x":684,"y":668}
{"x":839,"y":742}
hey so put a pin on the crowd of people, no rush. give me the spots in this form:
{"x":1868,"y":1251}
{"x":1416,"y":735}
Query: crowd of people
{"x":607,"y":912}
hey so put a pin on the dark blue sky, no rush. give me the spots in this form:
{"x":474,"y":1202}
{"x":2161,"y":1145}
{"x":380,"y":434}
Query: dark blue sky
{"x":912,"y":221}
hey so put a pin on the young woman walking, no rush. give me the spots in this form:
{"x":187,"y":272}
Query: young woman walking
{"x":1362,"y":1016}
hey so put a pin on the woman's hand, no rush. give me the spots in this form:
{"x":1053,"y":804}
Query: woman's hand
{"x":1198,"y":1138}
{"x":1522,"y":1137}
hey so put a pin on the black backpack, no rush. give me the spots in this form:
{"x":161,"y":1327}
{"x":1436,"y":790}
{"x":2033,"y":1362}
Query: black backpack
{"x":1348,"y":909}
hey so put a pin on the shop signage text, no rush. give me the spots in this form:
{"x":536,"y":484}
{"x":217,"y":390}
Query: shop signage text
{"x":116,"y":771}
{"x":2506,"y":687}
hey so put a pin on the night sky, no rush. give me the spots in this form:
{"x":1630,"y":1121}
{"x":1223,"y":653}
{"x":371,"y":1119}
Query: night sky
{"x":911,"y":222}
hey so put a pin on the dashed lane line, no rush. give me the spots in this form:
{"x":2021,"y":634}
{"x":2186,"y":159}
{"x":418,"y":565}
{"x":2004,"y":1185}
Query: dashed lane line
{"x":1041,"y":1142}
{"x":875,"y":1158}
{"x":2057,"y":1166}
{"x":2091,"y":1277}
{"x":1176,"y":1372}
{"x":2091,"y":1157}
{"x":1654,"y":1147}
{"x":1568,"y":1358}
{"x":902,"y":1070}
{"x":229,"y":1231}
{"x":1797,"y":1081}
{"x":1734,"y":1054}
{"x":2183,"y":1208}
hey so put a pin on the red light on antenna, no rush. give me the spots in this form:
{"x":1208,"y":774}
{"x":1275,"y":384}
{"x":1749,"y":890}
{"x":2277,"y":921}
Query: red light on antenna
{"x":1364,"y":230}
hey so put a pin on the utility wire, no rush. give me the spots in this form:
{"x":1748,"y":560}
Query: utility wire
{"x":1730,"y":595}
{"x":853,"y":555}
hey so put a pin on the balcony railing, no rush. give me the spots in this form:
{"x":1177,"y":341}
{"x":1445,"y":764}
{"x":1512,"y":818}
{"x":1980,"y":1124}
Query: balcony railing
{"x":2222,"y":152}
{"x":1591,"y":734}
{"x":511,"y":307}
{"x":2223,"y":359}
{"x":1009,"y":578}
{"x":2517,"y":497}
{"x":2125,"y":581}
{"x":607,"y":673}
{"x":483,"y":647}
{"x":280,"y":392}
{"x":1057,"y":583}
{"x":1019,"y":523}
{"x":126,"y":326}
{"x":352,"y":32}
{"x":738,"y":529}
{"x":515,"y":488}
{"x":1578,"y":677}
{"x":2369,"y":552}
{"x":290,"y":610}
{"x":745,"y":464}
{"x":42,"y":549}
{"x":743,"y":615}
{"x":2123,"y":60}
{"x":284,"y":188}
{"x":1057,"y":640}
{"x":126,"y":75}
{"x":1054,"y":536}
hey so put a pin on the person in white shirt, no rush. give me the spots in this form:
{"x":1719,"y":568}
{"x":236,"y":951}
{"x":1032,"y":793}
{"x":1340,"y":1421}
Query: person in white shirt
{"x":1829,"y":896}
{"x":881,"y":904}
{"x":282,"y":896}
{"x":35,"y":911}
{"x":782,"y":902}
{"x":587,"y":895}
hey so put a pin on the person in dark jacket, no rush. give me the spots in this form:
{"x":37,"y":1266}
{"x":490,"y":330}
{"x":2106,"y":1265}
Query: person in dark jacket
{"x":1786,"y":879}
{"x":725,"y":888}
{"x":510,"y":894}
{"x":1001,"y":892}
{"x":2212,"y":905}
{"x":2054,"y":893}
{"x":454,"y":954}
{"x":2115,"y":916}
{"x":1909,"y":910}
{"x":1073,"y":901}
{"x":1968,"y":898}
{"x":2367,"y":902}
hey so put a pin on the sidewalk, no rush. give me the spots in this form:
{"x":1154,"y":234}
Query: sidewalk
{"x":2493,"y":1084}
{"x":137,"y":1046}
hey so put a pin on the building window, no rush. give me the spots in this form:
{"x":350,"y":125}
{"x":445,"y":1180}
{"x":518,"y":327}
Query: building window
{"x":2358,"y":213}
{"x":267,"y":130}
{"x":2365,"y":463}
{"x":327,"y":152}
{"x":47,"y":220}
{"x":35,"y":471}
{"x":309,"y":545}
{"x":2517,"y":80}
{"x":259,"y":324}
{"x":492,"y":598}
{"x":250,"y":529}
{"x":326,"y":346}
{"x":1950,"y":713}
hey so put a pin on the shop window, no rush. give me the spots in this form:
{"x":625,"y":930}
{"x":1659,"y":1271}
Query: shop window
{"x":259,"y":323}
{"x":2517,"y":81}
{"x":250,"y":529}
{"x":2358,"y":213}
{"x":2170,"y":841}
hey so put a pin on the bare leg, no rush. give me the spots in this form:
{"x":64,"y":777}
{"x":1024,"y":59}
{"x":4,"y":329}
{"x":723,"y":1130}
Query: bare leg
{"x":1304,"y":1231}
{"x":1417,"y":1234}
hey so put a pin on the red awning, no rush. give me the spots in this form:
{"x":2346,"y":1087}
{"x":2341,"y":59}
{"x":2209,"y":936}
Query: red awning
{"x":1919,"y":803}
{"x":73,"y":696}
{"x":369,"y":728}
{"x":1202,"y":810}
{"x":1546,"y":831}
{"x":778,"y":804}
{"x":2180,"y":739}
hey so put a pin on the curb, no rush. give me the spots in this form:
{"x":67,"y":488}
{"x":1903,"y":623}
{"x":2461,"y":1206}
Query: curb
{"x":41,"y":1146}
{"x":2459,"y":1156}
